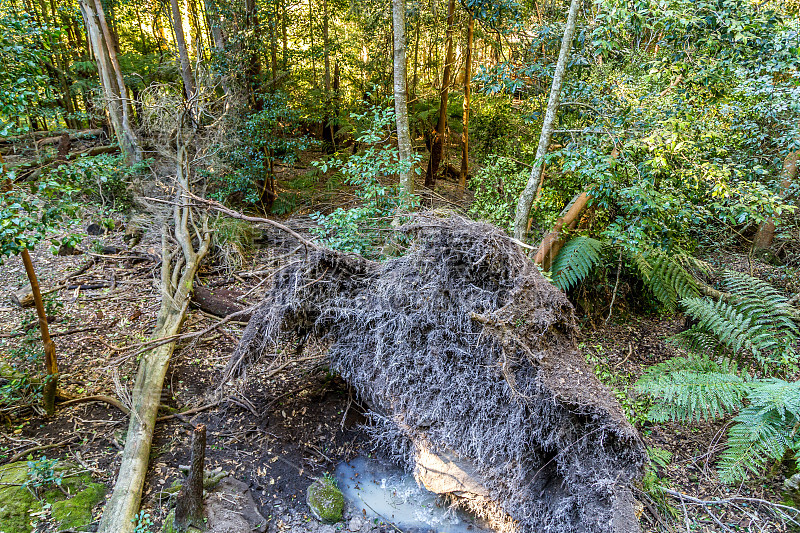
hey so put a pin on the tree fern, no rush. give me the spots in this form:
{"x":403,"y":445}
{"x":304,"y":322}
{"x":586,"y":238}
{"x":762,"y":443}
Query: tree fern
{"x":574,"y":262}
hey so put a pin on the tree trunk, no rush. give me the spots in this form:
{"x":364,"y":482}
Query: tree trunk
{"x":400,"y":96}
{"x":51,"y":382}
{"x":254,"y":63}
{"x":177,"y":276}
{"x":526,"y":198}
{"x":766,"y":231}
{"x":183,"y":55}
{"x":189,"y":507}
{"x":439,"y":134}
{"x":212,"y":14}
{"x":552,"y":242}
{"x":462,"y":180}
{"x":110,"y":78}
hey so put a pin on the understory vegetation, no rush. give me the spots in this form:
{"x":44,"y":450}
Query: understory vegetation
{"x":197,"y":131}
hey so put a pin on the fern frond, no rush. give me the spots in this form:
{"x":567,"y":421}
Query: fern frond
{"x":693,"y":388}
{"x":698,"y":341}
{"x":757,"y":298}
{"x":757,"y":437}
{"x":574,"y":262}
{"x":731,"y":326}
{"x":666,"y":277}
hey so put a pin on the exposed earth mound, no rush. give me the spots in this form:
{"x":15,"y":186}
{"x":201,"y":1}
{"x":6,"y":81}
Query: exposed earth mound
{"x":467,"y":356}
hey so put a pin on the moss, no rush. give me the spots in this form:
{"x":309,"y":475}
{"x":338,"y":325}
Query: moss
{"x":325,"y":500}
{"x":17,"y":503}
{"x":76,"y":512}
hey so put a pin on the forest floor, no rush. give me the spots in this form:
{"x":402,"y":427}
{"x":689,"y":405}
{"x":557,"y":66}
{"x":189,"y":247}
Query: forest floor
{"x":277,"y":434}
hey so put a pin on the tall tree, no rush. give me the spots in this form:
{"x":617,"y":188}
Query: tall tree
{"x":400,"y":90}
{"x":462,"y":180}
{"x":183,"y":54}
{"x":526,"y":198}
{"x":437,"y":143}
{"x":114,"y":89}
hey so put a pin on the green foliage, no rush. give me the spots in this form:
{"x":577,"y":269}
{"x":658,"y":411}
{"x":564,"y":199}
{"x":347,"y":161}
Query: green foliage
{"x":354,"y":230}
{"x":497,"y":188}
{"x":664,"y":275}
{"x":142,"y":522}
{"x":262,"y":138}
{"x":105,"y":179}
{"x":574,"y":262}
{"x":231,"y":240}
{"x":25,"y":218}
{"x":756,"y":323}
{"x":25,"y":87}
{"x":42,"y":473}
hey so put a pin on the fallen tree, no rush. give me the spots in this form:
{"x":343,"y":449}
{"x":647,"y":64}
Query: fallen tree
{"x":178,"y":268}
{"x":468,"y":359}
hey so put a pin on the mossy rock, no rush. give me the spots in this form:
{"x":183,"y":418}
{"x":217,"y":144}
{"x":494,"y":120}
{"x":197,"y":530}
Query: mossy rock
{"x":18,"y":503}
{"x":325,"y":501}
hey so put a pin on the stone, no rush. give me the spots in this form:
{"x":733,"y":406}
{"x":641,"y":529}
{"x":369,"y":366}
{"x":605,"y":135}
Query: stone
{"x":76,"y":512}
{"x":230,"y":508}
{"x":355,"y":524}
{"x":327,"y":528}
{"x":95,"y":229}
{"x":325,"y":500}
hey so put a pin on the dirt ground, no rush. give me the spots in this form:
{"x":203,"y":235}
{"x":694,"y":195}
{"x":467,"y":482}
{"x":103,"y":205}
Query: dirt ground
{"x":278,"y":434}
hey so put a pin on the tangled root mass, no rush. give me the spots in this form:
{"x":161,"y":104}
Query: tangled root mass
{"x":462,"y":346}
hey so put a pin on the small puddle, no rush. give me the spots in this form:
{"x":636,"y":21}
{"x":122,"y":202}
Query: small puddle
{"x":385,"y":492}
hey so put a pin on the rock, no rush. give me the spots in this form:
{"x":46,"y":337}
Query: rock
{"x":230,"y":508}
{"x":18,"y":503}
{"x":95,"y":229}
{"x":325,"y":500}
{"x":327,"y":529}
{"x":355,"y":524}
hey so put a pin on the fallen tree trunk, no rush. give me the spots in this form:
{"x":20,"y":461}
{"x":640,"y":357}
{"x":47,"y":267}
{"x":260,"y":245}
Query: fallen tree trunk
{"x":178,"y":268}
{"x":31,"y":168}
{"x":553,"y":242}
{"x":217,"y":305}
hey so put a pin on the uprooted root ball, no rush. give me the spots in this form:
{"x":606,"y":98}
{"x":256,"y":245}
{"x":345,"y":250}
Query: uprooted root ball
{"x":462,"y":347}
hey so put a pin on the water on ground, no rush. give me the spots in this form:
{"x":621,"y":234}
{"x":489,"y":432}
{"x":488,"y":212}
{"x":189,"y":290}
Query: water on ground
{"x":384,"y":492}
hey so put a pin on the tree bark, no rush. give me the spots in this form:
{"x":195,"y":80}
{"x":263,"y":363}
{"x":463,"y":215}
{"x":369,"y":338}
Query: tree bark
{"x":183,"y":54}
{"x":110,"y":78}
{"x":51,"y":366}
{"x":766,"y":231}
{"x":462,"y":180}
{"x":189,"y":507}
{"x":437,"y":144}
{"x":177,"y":275}
{"x":400,"y":96}
{"x":552,"y":242}
{"x":526,"y":198}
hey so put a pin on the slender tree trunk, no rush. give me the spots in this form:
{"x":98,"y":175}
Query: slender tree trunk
{"x":51,"y":381}
{"x":284,"y":37}
{"x":311,"y":39}
{"x":400,"y":96}
{"x":766,"y":231}
{"x":183,"y":54}
{"x":213,"y":18}
{"x":526,"y":198}
{"x":328,"y":127}
{"x":462,"y":180}
{"x":110,"y":78}
{"x":254,"y":64}
{"x":273,"y":38}
{"x":416,"y":58}
{"x":439,"y":134}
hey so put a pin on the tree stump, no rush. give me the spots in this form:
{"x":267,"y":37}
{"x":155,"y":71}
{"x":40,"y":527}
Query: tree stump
{"x":189,"y":508}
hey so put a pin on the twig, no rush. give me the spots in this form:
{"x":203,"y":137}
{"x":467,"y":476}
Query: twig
{"x":97,"y":398}
{"x":188,"y":412}
{"x":19,"y":455}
